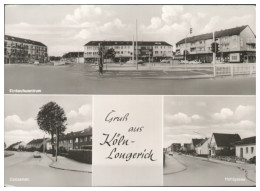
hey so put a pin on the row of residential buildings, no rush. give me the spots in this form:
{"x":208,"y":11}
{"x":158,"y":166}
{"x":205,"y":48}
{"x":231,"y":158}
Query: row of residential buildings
{"x":235,"y":45}
{"x":219,"y":144}
{"x":20,"y":50}
{"x":73,"y":140}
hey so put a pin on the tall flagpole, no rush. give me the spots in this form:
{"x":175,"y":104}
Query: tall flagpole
{"x":136,"y":48}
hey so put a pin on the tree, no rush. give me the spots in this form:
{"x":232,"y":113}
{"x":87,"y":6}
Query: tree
{"x":110,"y":54}
{"x":51,"y":119}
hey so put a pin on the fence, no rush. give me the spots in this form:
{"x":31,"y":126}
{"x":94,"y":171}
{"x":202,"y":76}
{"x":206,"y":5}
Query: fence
{"x":235,"y":69}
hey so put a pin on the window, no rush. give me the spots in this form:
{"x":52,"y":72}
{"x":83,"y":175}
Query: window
{"x":246,"y":149}
{"x":90,"y":138}
{"x":252,"y":150}
{"x":76,"y":140}
{"x":70,"y":140}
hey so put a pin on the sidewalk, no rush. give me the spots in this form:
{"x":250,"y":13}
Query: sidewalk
{"x":249,"y":169}
{"x":64,"y":163}
{"x":172,"y":166}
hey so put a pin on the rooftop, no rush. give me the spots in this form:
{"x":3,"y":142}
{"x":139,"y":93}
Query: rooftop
{"x":129,"y":43}
{"x":226,"y":140}
{"x":195,"y":142}
{"x":246,"y":141}
{"x":23,"y":40}
{"x":85,"y":132}
{"x":218,"y":34}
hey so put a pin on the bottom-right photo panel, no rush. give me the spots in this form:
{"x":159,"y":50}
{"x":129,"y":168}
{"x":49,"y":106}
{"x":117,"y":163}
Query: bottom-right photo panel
{"x":209,"y":141}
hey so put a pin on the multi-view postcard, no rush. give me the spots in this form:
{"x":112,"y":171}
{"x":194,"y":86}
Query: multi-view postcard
{"x":129,"y":95}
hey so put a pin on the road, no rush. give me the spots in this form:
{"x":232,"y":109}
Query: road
{"x":197,"y":172}
{"x":81,"y":79}
{"x":22,"y":169}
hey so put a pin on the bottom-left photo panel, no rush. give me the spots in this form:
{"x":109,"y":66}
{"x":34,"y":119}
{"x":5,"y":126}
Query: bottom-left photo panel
{"x":48,"y":140}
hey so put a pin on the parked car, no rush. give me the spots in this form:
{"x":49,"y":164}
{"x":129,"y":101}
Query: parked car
{"x":165,"y":61}
{"x":36,"y":154}
{"x":171,"y":153}
{"x":194,"y":62}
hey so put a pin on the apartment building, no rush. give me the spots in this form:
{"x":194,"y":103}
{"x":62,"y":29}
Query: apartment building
{"x":19,"y":50}
{"x":237,"y":45}
{"x":77,"y":140}
{"x":126,"y":50}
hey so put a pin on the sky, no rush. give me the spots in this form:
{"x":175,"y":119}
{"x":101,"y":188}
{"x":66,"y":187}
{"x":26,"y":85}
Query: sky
{"x":65,"y":28}
{"x":21,"y":112}
{"x":187,"y":117}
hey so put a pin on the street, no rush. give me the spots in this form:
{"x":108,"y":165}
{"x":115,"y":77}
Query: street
{"x":22,"y":169}
{"x":82,"y":79}
{"x":191,"y":171}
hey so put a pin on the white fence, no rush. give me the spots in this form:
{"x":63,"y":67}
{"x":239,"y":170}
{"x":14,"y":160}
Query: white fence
{"x":235,"y":69}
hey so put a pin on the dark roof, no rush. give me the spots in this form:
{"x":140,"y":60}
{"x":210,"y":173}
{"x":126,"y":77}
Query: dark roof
{"x":140,"y":43}
{"x":195,"y":142}
{"x":37,"y":141}
{"x":73,"y":54}
{"x":218,"y":34}
{"x":85,"y":132}
{"x":226,"y":140}
{"x":23,"y":40}
{"x":202,"y":142}
{"x":14,"y":144}
{"x":246,"y":141}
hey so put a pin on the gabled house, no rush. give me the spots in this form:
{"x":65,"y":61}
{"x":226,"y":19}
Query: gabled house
{"x":222,"y":144}
{"x":195,"y":142}
{"x":186,"y":147}
{"x":38,"y":144}
{"x":245,"y":149}
{"x":175,"y":147}
{"x":17,"y":146}
{"x":203,"y":147}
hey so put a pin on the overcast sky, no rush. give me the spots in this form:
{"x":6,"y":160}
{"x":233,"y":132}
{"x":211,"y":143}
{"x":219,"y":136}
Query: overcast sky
{"x":21,"y":112}
{"x":187,"y":117}
{"x":66,"y":28}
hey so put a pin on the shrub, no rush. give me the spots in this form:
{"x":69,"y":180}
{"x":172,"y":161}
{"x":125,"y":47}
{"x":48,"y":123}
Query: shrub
{"x":81,"y":155}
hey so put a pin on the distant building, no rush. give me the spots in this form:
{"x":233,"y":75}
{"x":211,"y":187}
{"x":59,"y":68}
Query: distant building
{"x":38,"y":144}
{"x":235,"y":45}
{"x":223,"y":144}
{"x":186,"y":147}
{"x":17,"y":146}
{"x":75,"y":57}
{"x":125,"y":50}
{"x":20,"y":50}
{"x":195,"y":142}
{"x":175,"y":147}
{"x":246,"y":148}
{"x":77,"y":140}
{"x":203,"y":147}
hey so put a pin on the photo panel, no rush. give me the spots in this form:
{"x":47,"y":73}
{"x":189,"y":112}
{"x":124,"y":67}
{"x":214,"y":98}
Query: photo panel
{"x":48,"y":141}
{"x":209,"y":141}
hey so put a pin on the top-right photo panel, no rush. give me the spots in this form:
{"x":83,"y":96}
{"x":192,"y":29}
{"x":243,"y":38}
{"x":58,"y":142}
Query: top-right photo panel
{"x":130,"y":49}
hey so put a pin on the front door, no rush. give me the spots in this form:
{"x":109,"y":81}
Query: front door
{"x":241,"y":153}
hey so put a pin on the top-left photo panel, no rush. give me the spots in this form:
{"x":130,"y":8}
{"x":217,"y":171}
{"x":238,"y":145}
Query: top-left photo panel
{"x":130,"y":49}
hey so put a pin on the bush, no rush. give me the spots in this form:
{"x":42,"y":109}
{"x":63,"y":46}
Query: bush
{"x":252,"y":160}
{"x":81,"y":155}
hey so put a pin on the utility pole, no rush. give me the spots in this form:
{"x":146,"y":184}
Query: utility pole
{"x":56,"y":144}
{"x":214,"y":55}
{"x":136,"y":48}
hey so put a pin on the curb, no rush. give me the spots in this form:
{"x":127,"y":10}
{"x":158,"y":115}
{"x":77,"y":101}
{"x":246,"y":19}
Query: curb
{"x":51,"y":165}
{"x":185,"y":168}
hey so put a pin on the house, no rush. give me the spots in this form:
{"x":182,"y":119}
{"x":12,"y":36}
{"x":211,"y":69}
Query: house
{"x":17,"y":146}
{"x":246,"y":148}
{"x":38,"y":144}
{"x":195,"y":142}
{"x":76,"y":57}
{"x":175,"y":147}
{"x":223,"y":144}
{"x":203,"y":147}
{"x":186,"y":147}
{"x":77,"y":140}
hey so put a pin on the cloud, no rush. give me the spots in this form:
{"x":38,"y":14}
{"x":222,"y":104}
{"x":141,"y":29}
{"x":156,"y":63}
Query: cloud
{"x":224,"y":114}
{"x":79,"y":126}
{"x":244,"y":112}
{"x":179,"y":118}
{"x":82,"y":14}
{"x":14,"y":122}
{"x":83,"y":111}
{"x":170,"y":14}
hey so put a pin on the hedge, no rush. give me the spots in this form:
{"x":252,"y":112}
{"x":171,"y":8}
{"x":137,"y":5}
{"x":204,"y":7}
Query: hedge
{"x":81,"y":155}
